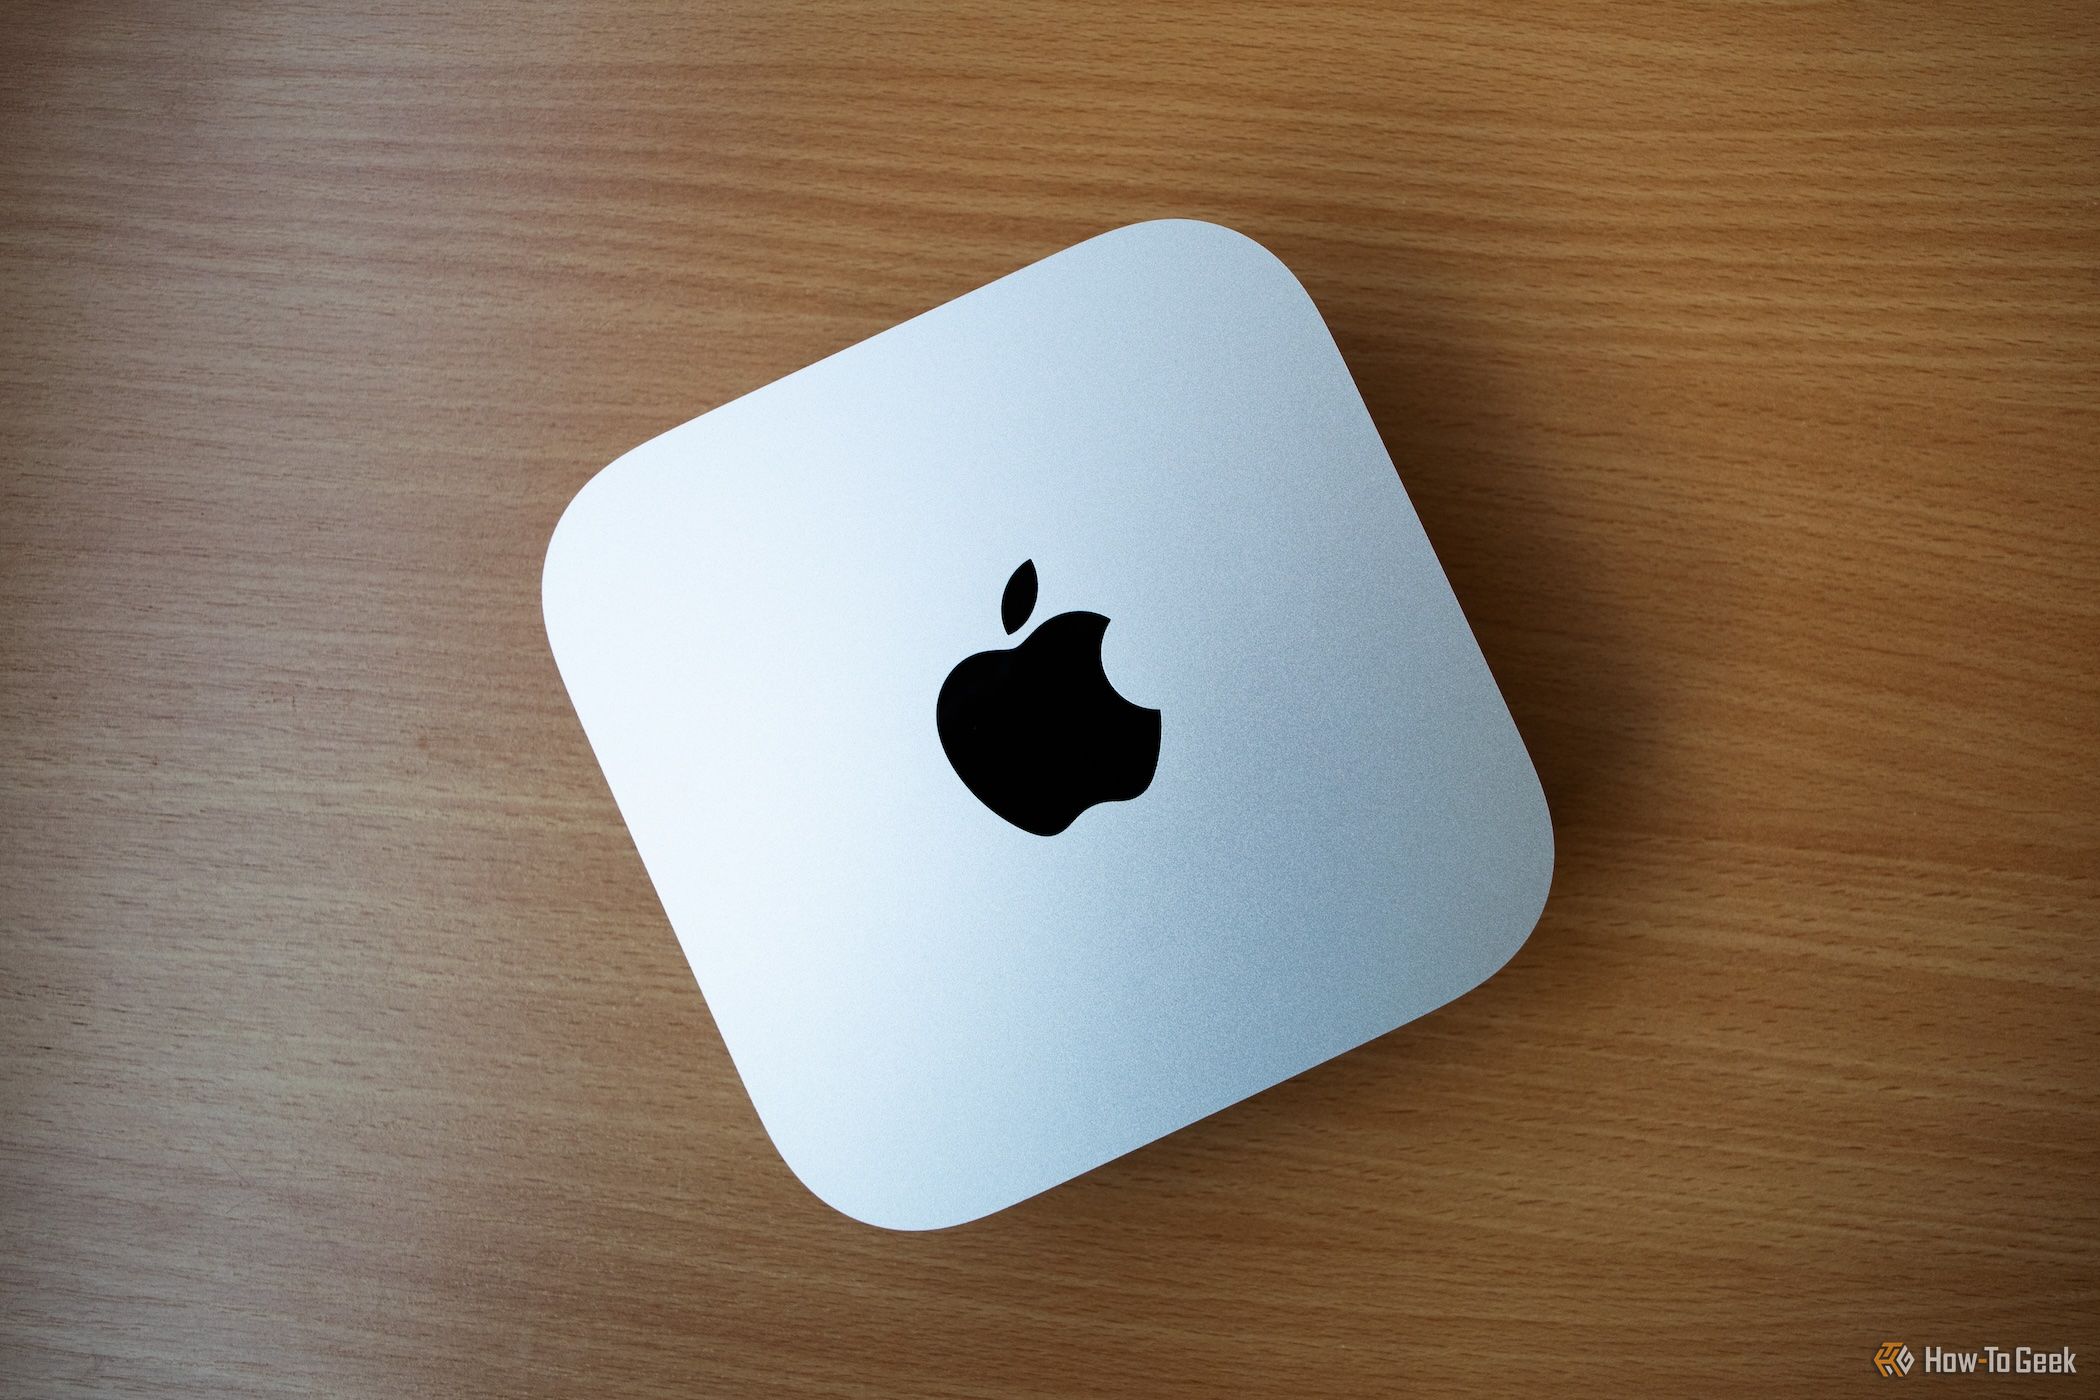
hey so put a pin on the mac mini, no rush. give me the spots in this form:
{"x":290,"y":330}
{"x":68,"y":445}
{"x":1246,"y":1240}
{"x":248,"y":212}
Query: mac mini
{"x":1046,"y":724}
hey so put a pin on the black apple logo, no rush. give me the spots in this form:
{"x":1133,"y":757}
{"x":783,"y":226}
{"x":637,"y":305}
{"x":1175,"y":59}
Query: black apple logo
{"x":1036,"y":731}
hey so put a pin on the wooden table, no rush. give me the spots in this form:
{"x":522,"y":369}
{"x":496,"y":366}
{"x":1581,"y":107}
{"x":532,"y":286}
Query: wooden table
{"x":1743,"y":362}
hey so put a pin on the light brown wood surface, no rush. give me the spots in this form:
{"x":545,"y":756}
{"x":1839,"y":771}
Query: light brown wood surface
{"x":1742,"y":361}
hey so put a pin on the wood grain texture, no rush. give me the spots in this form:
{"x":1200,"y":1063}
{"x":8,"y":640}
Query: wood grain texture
{"x":1743,"y":362}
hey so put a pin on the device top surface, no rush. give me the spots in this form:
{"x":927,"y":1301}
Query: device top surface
{"x":938,"y":1012}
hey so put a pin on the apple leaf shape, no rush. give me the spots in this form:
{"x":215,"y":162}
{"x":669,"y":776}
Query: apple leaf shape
{"x":1019,"y":599}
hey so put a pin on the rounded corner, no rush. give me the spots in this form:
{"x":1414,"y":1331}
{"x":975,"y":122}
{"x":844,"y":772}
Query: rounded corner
{"x":565,"y":541}
{"x":1248,"y":260}
{"x":1221,"y":236}
{"x":1547,"y":836}
{"x":1540,"y":869}
{"x":861,"y":1206}
{"x":560,"y":541}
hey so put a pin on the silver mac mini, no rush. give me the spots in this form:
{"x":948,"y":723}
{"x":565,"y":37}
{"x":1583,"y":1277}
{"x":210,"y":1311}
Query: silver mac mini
{"x":1046,"y":724}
